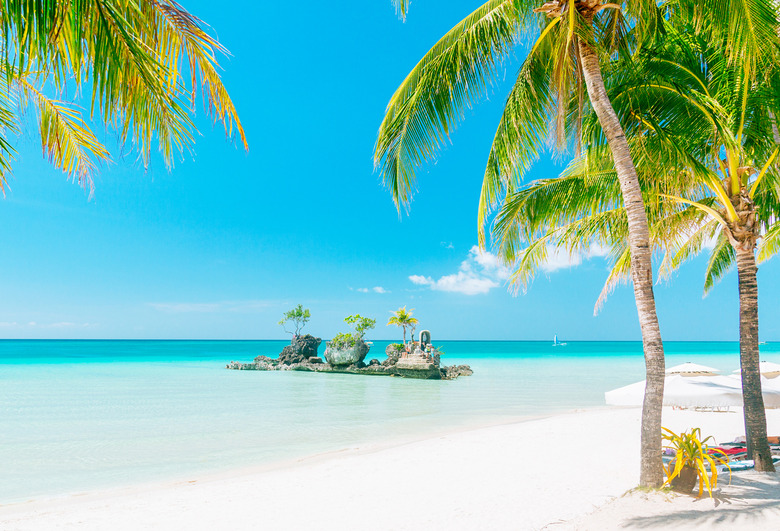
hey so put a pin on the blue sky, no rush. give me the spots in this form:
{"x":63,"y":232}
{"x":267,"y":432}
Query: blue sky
{"x":227,"y":241}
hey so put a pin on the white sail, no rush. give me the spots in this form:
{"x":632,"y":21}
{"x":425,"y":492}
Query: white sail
{"x":557,"y":343}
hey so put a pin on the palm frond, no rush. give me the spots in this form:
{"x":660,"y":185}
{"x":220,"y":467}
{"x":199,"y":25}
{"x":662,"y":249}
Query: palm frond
{"x":127,"y":57}
{"x":749,"y":27}
{"x":449,"y":78}
{"x":722,"y":258}
{"x":769,"y":244}
{"x":575,"y":238}
{"x":401,"y":8}
{"x":685,"y":246}
{"x":619,"y":274}
{"x":648,"y":21}
{"x":528,"y":263}
{"x":516,"y":144}
{"x":180,"y":27}
{"x":9,"y":104}
{"x":66,"y":139}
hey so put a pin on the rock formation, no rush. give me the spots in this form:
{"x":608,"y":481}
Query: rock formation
{"x":453,"y":371}
{"x":343,"y":357}
{"x":417,"y":364}
{"x":300,"y":349}
{"x":393,"y":352}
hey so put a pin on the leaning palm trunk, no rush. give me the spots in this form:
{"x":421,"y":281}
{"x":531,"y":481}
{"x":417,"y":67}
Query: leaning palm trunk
{"x":452,"y":75}
{"x":651,"y":472}
{"x":755,"y":415}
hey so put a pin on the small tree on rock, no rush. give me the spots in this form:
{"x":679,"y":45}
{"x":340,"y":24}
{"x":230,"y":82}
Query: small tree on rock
{"x":297,"y":317}
{"x":403,"y":318}
{"x":360,"y":325}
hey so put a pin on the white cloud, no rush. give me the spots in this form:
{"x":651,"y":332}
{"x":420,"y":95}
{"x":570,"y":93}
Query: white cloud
{"x":598,"y":250}
{"x":447,"y":245}
{"x":488,"y":262}
{"x":558,"y":258}
{"x":375,"y":289}
{"x":482,"y":271}
{"x":709,"y":243}
{"x":461,"y":282}
{"x":478,"y":274}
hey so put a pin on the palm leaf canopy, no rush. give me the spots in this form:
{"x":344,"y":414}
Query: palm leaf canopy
{"x":548,"y":100}
{"x":459,"y":69}
{"x":402,"y":317}
{"x":139,"y":64}
{"x":691,"y":124}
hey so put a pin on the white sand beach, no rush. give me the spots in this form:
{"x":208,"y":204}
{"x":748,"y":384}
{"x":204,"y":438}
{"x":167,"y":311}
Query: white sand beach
{"x":567,"y":471}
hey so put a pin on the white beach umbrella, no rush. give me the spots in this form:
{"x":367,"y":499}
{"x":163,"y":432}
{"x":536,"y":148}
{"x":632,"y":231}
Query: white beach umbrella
{"x":769,"y":385}
{"x":696,"y":391}
{"x":770,"y":389}
{"x":767,"y":369}
{"x":692,"y":369}
{"x":683,"y":391}
{"x":702,"y":391}
{"x":629,"y":395}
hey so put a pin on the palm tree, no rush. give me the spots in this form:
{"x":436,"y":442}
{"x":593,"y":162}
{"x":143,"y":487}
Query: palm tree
{"x":685,"y":108}
{"x":564,"y":61}
{"x":138,"y":64}
{"x":733,"y":154}
{"x":403,"y":318}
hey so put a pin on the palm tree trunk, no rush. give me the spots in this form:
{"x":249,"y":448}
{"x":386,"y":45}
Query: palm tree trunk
{"x":651,"y":472}
{"x":755,"y":415}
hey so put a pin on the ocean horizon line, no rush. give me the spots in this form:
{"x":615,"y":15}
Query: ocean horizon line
{"x":383,"y":340}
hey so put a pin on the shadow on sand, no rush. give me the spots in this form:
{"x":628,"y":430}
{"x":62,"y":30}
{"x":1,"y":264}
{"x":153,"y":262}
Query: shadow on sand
{"x":749,"y":502}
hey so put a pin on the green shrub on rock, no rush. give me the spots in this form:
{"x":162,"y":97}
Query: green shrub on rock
{"x":337,"y":348}
{"x":360,"y":326}
{"x":342,"y":341}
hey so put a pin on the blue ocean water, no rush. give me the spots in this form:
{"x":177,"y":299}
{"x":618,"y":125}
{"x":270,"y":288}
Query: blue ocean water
{"x":81,"y":415}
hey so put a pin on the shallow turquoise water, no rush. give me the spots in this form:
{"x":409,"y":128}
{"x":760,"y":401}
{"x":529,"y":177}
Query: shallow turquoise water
{"x":78,"y":415}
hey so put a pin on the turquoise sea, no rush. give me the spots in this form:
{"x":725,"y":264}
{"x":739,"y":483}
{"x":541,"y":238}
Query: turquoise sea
{"x":82,"y":415}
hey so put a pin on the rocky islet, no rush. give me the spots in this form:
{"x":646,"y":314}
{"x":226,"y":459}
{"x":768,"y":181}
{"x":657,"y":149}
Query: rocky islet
{"x":302,"y":355}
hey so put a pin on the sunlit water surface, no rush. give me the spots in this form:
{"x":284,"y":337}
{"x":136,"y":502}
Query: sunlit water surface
{"x":79,"y":415}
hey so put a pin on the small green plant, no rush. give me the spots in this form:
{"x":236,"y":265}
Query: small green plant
{"x":342,"y":341}
{"x":692,"y":459}
{"x":360,"y":325}
{"x":297,"y":317}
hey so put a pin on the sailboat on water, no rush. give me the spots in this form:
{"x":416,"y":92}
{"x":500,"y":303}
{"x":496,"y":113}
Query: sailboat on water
{"x":557,"y":343}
